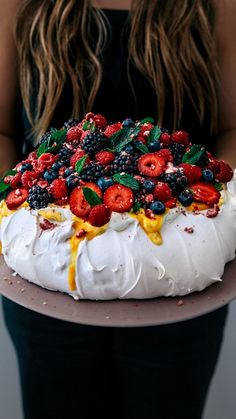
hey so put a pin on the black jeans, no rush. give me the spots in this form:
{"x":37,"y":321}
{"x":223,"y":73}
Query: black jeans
{"x":71,"y":371}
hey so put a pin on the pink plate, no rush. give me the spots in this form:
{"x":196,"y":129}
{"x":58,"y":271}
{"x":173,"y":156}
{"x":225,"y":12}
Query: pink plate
{"x":119,"y":313}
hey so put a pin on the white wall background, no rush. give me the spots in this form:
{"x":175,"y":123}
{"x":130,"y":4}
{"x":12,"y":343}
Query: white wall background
{"x":221,"y":403}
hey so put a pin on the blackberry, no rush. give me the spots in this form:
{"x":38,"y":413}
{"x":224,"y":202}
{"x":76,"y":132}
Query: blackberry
{"x":140,"y":198}
{"x":72,"y":122}
{"x":39,"y":197}
{"x":125,"y":162}
{"x":65,"y":154}
{"x":92,"y":172}
{"x":46,"y":136}
{"x":177,"y":150}
{"x":93,"y":142}
{"x":176,"y":181}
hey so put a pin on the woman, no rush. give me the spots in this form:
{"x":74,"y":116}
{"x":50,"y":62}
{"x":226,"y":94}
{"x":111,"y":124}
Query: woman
{"x":71,"y":57}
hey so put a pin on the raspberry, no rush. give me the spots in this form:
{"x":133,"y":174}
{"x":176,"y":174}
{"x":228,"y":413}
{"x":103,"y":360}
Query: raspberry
{"x":77,"y":156}
{"x":180,"y":137}
{"x":73,"y":134}
{"x":225,"y":173}
{"x":165,"y":139}
{"x":100,"y":121}
{"x":166,"y":154}
{"x":111,"y":129}
{"x":29,"y":178}
{"x":99,"y":215}
{"x":162,"y":192}
{"x":58,"y":188}
{"x":13,"y":180}
{"x":192,"y":172}
{"x":104,"y":157}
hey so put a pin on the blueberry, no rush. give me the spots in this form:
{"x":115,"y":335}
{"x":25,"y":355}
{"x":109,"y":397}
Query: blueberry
{"x":148,"y":185}
{"x":56,"y":166}
{"x":207,"y":175}
{"x":128,"y":123}
{"x":157,"y":207}
{"x":129,"y":149}
{"x":154,"y":146}
{"x":104,"y":182}
{"x":50,"y":175}
{"x":186,"y":198}
{"x":26,"y":166}
{"x":72,"y":181}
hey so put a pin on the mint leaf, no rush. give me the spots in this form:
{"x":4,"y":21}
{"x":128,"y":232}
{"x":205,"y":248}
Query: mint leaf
{"x":147,"y":119}
{"x":136,"y":207}
{"x":219,"y":186}
{"x":189,"y":156}
{"x":91,"y":197}
{"x":80,"y":164}
{"x":89,"y":126}
{"x":142,"y":147}
{"x":5,"y":186}
{"x":53,"y":143}
{"x":126,"y":180}
{"x":154,"y":134}
{"x":118,"y":136}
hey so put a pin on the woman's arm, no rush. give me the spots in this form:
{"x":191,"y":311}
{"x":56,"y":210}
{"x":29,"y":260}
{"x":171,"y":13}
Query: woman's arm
{"x":8,"y":86}
{"x":226,"y":25}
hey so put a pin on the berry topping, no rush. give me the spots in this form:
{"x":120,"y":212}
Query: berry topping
{"x":205,"y":193}
{"x":29,"y":178}
{"x":104,"y":157}
{"x":186,"y":198}
{"x":100,"y":121}
{"x":165,"y":139}
{"x":151,"y":164}
{"x":225,"y":172}
{"x":207,"y":175}
{"x":162,"y":192}
{"x":77,"y":156}
{"x":93,"y":142}
{"x":99,"y":215}
{"x":78,"y":204}
{"x":16,"y":198}
{"x":154,"y":146}
{"x":128,"y":123}
{"x":180,"y":137}
{"x":73,"y":134}
{"x":39,"y":197}
{"x":157,"y":207}
{"x":118,"y":198}
{"x":192,"y":172}
{"x":58,"y":188}
{"x":111,"y":129}
{"x":104,"y":182}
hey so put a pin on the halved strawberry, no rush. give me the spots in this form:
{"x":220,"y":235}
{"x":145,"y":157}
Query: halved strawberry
{"x":78,"y":204}
{"x":99,"y":215}
{"x":205,"y":193}
{"x":16,"y":198}
{"x":151,"y":164}
{"x":162,"y":192}
{"x":171,"y":203}
{"x":225,"y":173}
{"x":118,"y":198}
{"x":192,"y":172}
{"x":104,"y":157}
{"x":180,"y":137}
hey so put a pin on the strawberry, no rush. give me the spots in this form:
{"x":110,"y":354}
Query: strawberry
{"x":78,"y":204}
{"x":180,"y":137}
{"x":89,"y":116}
{"x":192,"y":172}
{"x":104,"y":157}
{"x":100,"y":121}
{"x":205,"y":193}
{"x":225,"y":173}
{"x":99,"y":215}
{"x":73,"y":134}
{"x":77,"y":156}
{"x":111,"y":129}
{"x":47,"y":159}
{"x":151,"y":164}
{"x":16,"y":198}
{"x":145,"y":129}
{"x":29,"y":178}
{"x":162,"y":192}
{"x":58,"y":188}
{"x":166,"y":153}
{"x":118,"y":198}
{"x":32,"y":156}
{"x":165,"y":138}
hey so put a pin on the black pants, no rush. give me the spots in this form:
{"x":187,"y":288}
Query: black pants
{"x":71,"y":371}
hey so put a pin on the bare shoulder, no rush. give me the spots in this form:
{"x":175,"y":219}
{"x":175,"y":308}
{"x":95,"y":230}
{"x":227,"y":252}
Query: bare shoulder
{"x":8,"y":11}
{"x":226,"y":21}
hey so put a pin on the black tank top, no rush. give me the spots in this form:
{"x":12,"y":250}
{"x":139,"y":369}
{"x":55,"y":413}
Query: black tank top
{"x":118,"y":99}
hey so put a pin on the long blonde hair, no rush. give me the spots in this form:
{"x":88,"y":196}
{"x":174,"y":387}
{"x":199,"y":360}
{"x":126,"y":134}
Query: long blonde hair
{"x":169,"y":40}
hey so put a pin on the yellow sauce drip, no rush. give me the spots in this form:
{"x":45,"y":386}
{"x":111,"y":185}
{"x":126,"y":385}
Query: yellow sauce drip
{"x":87,"y":231}
{"x":0,"y":247}
{"x":152,"y":227}
{"x":4,"y":211}
{"x":52,"y":214}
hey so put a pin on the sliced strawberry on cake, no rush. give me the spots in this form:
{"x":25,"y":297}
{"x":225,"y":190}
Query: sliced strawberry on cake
{"x":118,"y":198}
{"x":205,"y":193}
{"x":78,"y":204}
{"x":151,"y":164}
{"x":16,"y":198}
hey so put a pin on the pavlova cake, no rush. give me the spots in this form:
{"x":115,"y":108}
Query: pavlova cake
{"x":118,"y":210}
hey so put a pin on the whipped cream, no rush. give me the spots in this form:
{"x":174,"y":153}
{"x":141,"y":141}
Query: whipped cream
{"x":122,"y":262}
